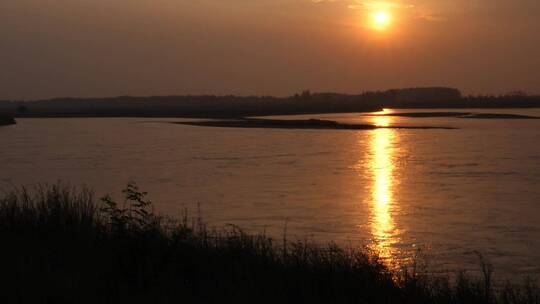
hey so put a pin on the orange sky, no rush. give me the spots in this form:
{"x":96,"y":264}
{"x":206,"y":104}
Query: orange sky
{"x":277,"y":47}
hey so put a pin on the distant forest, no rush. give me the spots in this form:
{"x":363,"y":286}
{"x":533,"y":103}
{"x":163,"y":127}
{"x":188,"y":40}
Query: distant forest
{"x":209,"y":106}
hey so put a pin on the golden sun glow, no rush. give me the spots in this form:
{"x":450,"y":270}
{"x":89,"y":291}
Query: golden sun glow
{"x":383,"y":227}
{"x":382,"y":166}
{"x":381,"y":20}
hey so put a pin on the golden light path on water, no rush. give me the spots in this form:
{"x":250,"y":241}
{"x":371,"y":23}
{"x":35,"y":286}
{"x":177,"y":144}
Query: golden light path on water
{"x":382,"y":205}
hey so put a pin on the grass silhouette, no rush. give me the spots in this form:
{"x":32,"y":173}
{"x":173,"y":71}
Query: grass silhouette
{"x":60,"y":245}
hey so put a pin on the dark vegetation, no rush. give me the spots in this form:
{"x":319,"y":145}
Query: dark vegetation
{"x":235,"y":106}
{"x":317,"y":124}
{"x":60,"y":246}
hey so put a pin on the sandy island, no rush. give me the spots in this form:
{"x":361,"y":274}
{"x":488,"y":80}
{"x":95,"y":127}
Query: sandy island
{"x":296,"y":124}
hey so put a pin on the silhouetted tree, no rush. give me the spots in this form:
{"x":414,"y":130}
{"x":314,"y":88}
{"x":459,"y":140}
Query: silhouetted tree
{"x":306,"y":94}
{"x":22,"y":109}
{"x":517,"y":93}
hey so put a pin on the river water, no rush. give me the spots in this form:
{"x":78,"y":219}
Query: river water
{"x":439,"y":194}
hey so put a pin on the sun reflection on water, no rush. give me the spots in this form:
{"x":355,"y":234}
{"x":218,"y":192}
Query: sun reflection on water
{"x":381,"y":121}
{"x":382,"y":166}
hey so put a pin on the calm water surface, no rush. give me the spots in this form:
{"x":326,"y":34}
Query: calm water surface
{"x":441,"y":194}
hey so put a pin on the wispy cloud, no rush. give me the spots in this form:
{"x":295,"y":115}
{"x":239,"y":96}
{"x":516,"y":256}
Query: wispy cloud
{"x":377,"y":5}
{"x":416,"y":11}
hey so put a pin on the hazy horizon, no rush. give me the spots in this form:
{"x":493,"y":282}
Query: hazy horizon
{"x":85,"y":48}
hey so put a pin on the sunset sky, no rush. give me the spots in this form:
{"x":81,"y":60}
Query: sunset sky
{"x":54,"y":48}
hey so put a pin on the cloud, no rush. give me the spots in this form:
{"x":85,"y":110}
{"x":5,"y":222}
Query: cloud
{"x":422,"y":12}
{"x":378,"y":5}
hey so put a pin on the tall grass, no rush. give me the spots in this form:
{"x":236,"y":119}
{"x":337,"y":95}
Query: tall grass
{"x":60,"y":245}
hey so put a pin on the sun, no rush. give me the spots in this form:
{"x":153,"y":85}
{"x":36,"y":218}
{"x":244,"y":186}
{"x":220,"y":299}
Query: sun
{"x":381,"y":20}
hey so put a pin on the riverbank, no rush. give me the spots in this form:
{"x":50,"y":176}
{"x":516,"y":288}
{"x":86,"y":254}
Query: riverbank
{"x":5,"y":121}
{"x":62,"y":246}
{"x":228,"y":106}
{"x":468,"y":115}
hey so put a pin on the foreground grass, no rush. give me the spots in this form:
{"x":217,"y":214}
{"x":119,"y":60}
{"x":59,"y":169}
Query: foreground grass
{"x":61,"y":246}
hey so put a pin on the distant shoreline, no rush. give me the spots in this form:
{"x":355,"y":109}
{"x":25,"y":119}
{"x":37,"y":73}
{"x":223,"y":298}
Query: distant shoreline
{"x":213,"y":115}
{"x":468,"y":115}
{"x":211,"y":106}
